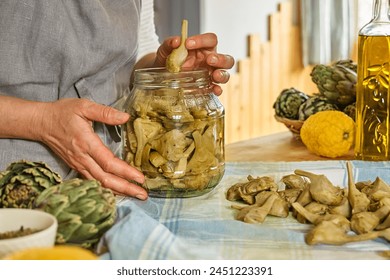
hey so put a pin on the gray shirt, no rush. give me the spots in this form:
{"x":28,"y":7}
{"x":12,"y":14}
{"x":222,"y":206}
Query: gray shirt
{"x":57,"y":49}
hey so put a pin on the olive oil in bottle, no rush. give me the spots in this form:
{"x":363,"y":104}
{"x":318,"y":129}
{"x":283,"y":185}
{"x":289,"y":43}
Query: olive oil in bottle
{"x":373,"y":99}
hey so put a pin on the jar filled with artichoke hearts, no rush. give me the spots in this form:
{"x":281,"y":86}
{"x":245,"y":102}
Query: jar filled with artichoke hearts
{"x":175,"y":134}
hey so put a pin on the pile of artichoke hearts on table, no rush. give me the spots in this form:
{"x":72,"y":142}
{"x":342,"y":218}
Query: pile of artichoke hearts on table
{"x":358,"y":212}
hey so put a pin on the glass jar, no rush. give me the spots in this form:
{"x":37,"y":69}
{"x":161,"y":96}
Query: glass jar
{"x":175,"y":134}
{"x":372,"y":94}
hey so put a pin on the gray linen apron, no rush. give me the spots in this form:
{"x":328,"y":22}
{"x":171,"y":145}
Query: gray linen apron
{"x":52,"y":49}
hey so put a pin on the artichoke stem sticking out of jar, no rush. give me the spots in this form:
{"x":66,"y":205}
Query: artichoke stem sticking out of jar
{"x":176,"y":59}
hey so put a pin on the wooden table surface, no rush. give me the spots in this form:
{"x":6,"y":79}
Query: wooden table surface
{"x":274,"y":147}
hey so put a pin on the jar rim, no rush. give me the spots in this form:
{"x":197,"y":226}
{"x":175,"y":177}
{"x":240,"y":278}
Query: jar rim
{"x":160,"y":77}
{"x":165,"y":71}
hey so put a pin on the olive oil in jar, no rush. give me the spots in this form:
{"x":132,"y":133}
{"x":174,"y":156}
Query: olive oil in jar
{"x":372,"y":104}
{"x":372,"y":92}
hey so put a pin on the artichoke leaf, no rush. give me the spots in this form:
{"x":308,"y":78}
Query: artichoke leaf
{"x":56,"y":205}
{"x":22,"y":179}
{"x":84,"y":232}
{"x":145,"y":131}
{"x":68,"y":223}
{"x":202,"y":159}
{"x":156,"y":159}
{"x":85,"y":207}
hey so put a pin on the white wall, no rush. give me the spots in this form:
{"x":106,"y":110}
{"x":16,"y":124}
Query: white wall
{"x":231,"y":20}
{"x":234,"y":20}
{"x":364,"y":12}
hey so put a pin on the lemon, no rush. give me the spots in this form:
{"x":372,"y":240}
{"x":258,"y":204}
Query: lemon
{"x":60,"y":252}
{"x":328,"y":133}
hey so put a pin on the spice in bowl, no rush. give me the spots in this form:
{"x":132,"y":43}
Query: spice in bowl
{"x":17,"y":233}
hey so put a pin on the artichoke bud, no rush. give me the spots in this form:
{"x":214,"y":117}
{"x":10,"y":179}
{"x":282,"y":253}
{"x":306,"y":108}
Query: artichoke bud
{"x":314,"y":104}
{"x":23,"y":181}
{"x":337,"y":82}
{"x":288,"y":102}
{"x":83,"y":208}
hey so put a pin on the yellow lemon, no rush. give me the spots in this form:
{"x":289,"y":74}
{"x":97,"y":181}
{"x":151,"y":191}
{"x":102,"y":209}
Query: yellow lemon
{"x":328,"y":133}
{"x":60,"y":252}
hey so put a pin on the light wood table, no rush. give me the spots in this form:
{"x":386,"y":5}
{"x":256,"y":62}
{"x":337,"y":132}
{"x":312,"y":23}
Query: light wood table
{"x":274,"y":147}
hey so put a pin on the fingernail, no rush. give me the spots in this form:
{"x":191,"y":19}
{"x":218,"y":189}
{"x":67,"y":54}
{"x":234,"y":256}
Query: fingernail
{"x":121,"y":116}
{"x":141,"y":196}
{"x":224,"y":74}
{"x":191,"y":43}
{"x":213,"y":60}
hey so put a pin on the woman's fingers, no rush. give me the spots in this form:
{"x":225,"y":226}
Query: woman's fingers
{"x":220,"y":76}
{"x":223,"y":61}
{"x":104,"y":114}
{"x":202,"y":41}
{"x":70,"y":135}
{"x":117,"y":184}
{"x":111,"y":164}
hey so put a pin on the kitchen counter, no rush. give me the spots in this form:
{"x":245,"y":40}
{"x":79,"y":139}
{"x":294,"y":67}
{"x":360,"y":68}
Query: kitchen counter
{"x":274,"y":147}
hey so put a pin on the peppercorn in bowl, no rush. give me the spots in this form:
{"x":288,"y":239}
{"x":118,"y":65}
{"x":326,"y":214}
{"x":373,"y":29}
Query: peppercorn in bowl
{"x":25,"y":228}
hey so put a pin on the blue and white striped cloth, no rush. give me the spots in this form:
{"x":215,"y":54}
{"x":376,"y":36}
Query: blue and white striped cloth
{"x":205,"y":228}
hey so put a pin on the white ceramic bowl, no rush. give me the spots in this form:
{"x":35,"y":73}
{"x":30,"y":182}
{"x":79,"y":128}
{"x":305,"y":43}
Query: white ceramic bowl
{"x":12,"y":219}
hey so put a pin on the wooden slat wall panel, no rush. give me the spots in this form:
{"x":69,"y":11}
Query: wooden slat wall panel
{"x":270,"y":67}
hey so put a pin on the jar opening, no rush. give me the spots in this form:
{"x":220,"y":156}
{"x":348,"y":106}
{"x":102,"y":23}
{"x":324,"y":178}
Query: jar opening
{"x":162,"y":78}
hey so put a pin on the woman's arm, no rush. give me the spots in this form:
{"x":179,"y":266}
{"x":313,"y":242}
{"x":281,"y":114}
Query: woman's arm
{"x":19,"y":118}
{"x":65,"y":126}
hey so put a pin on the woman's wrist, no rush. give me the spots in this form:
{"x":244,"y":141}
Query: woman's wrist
{"x":21,"y":118}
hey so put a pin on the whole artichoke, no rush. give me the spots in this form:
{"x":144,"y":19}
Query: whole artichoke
{"x":23,"y":181}
{"x":83,"y":208}
{"x":337,"y":82}
{"x":288,"y":102}
{"x":314,"y":104}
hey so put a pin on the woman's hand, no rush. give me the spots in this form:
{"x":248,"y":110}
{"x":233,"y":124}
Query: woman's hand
{"x":67,"y":124}
{"x":202,"y":52}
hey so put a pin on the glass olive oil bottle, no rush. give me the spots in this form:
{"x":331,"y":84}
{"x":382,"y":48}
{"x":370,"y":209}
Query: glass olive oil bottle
{"x":373,"y":99}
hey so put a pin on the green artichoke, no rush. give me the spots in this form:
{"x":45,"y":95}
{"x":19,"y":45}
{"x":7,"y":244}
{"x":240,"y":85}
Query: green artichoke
{"x":23,"y":181}
{"x":83,"y":208}
{"x":314,"y":104}
{"x":288,"y":102}
{"x":337,"y":82}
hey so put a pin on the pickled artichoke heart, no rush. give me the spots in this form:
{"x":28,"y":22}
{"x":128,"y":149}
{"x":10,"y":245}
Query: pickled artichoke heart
{"x":23,"y":181}
{"x":314,"y":104}
{"x":83,"y":208}
{"x":178,"y":56}
{"x":288,"y":102}
{"x":171,"y":137}
{"x":337,"y":82}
